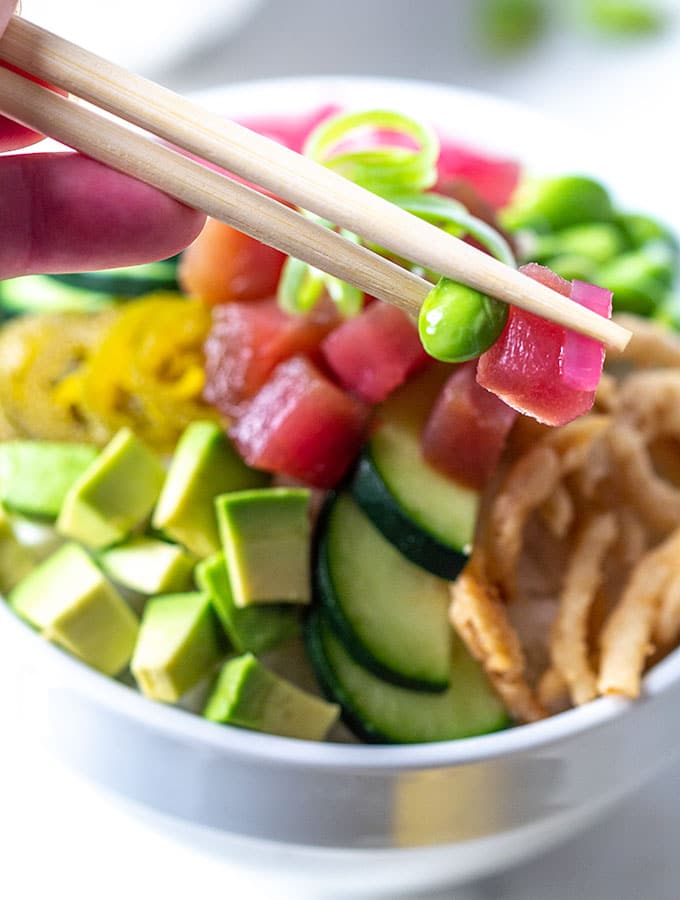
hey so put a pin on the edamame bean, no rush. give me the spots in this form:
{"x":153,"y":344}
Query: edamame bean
{"x":639,"y":279}
{"x":549,"y":204}
{"x":573,"y":265}
{"x":598,"y":242}
{"x":641,"y":230}
{"x":457,"y":323}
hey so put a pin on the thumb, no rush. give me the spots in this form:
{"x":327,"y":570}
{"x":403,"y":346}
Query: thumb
{"x":7,"y":7}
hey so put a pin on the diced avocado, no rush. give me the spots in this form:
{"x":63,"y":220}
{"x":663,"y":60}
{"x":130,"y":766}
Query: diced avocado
{"x":16,"y":561}
{"x":35,"y":476}
{"x":68,"y":599}
{"x":114,"y":494}
{"x":255,"y":628}
{"x":149,"y":566}
{"x":179,"y":644}
{"x":250,"y":696}
{"x":205,"y":465}
{"x":266,"y":540}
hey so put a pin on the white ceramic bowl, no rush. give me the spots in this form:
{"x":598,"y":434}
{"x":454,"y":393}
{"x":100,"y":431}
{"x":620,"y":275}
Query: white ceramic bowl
{"x":372,"y":818}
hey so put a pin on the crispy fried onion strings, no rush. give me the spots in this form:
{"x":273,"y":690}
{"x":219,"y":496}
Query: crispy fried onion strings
{"x":569,"y":649}
{"x":627,"y":636}
{"x":480,"y":618}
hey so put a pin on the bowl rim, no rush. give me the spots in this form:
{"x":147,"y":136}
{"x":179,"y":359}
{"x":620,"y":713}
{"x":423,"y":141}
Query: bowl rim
{"x":186,"y":726}
{"x":292,"y":753}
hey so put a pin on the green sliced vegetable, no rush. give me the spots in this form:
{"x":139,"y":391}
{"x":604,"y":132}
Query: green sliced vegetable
{"x":179,"y":645}
{"x":70,"y":602}
{"x":35,"y":476}
{"x":16,"y":560}
{"x":114,"y":494}
{"x":250,"y":696}
{"x":266,"y":541}
{"x":126,"y":282}
{"x":390,"y":614}
{"x":253,"y":629}
{"x":453,"y":217}
{"x":380,"y":712}
{"x":148,"y":566}
{"x":384,"y":169}
{"x":205,"y":465}
{"x":428,"y":517}
{"x":44,"y":293}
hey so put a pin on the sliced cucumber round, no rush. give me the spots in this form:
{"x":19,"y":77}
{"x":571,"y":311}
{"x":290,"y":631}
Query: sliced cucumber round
{"x":390,"y":614}
{"x":380,"y":712}
{"x":44,"y":293}
{"x":128,"y":281}
{"x":428,"y":517}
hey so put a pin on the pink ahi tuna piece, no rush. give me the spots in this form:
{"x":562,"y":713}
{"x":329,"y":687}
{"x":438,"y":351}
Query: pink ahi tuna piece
{"x":525,"y":366}
{"x":375,"y":352}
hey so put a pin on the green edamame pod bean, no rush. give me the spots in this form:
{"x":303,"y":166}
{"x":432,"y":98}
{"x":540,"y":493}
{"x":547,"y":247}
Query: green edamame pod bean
{"x":549,"y":204}
{"x":598,"y":242}
{"x":639,"y":280}
{"x":573,"y":265}
{"x":641,"y":230}
{"x":625,"y":17}
{"x":507,"y":25}
{"x":457,"y":323}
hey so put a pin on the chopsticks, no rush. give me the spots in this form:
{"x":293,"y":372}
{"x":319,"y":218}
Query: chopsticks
{"x":257,"y":159}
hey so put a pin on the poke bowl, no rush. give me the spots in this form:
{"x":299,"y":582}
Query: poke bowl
{"x":423,"y":802}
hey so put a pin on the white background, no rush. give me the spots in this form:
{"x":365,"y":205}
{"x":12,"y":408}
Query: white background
{"x":58,"y":836}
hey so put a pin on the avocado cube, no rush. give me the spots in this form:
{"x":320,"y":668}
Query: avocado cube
{"x":179,"y":644}
{"x":16,"y":561}
{"x":255,"y":628}
{"x":205,"y":465}
{"x":35,"y":476}
{"x":266,"y":537}
{"x":250,"y":696}
{"x":148,"y":566}
{"x":114,"y":494}
{"x":70,"y":602}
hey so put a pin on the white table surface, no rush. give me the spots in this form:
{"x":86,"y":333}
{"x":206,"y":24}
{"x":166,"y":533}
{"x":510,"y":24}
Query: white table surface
{"x":58,"y":836}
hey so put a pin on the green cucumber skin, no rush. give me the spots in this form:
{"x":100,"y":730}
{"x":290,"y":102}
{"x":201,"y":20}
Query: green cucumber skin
{"x":108,"y":282}
{"x":330,"y":687}
{"x":334,"y":691}
{"x":326,"y":597}
{"x":382,"y":508}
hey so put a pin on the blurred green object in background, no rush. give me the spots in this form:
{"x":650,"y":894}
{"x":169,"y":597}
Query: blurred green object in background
{"x":508,"y":25}
{"x":624,"y":17}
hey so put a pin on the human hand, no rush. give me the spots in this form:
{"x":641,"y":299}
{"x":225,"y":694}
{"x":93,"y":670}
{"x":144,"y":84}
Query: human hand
{"x":63,"y":212}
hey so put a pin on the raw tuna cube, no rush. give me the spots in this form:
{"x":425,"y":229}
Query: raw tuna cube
{"x":466,"y":431}
{"x":246,"y":342}
{"x":374,"y":352}
{"x":494,"y":179}
{"x":301,"y":425}
{"x":523,"y":367}
{"x":224,"y":265}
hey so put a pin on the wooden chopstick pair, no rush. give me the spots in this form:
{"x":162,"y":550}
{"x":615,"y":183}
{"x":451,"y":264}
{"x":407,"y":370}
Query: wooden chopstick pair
{"x":261,"y":161}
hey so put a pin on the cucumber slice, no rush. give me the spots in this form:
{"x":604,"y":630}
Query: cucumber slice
{"x":390,"y":614}
{"x":44,"y":293}
{"x":130,"y":281}
{"x":428,"y":517}
{"x":380,"y":712}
